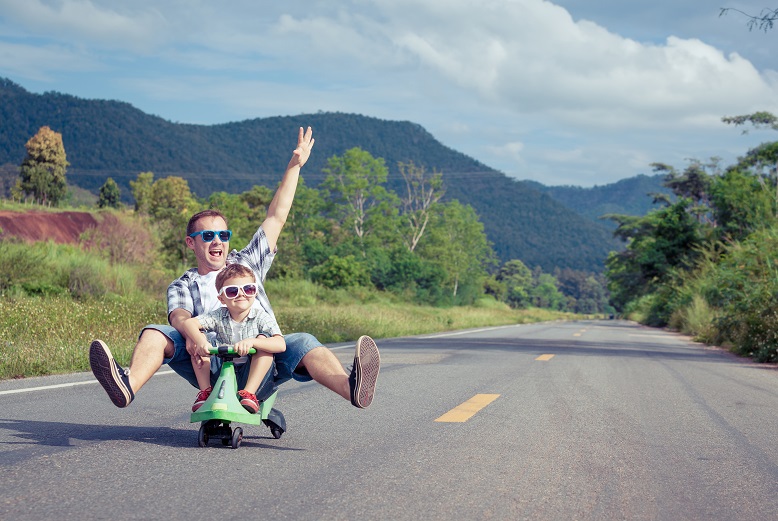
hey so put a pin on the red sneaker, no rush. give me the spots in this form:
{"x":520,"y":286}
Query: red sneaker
{"x":201,"y":397}
{"x":248,"y":401}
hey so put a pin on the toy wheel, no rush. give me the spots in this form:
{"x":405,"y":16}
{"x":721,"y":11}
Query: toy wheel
{"x":276,"y":431}
{"x":237,"y":437}
{"x":202,"y":436}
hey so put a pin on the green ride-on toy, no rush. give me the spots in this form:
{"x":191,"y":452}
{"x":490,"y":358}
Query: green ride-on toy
{"x":223,"y":407}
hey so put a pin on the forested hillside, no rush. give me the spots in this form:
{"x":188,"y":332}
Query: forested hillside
{"x":630,"y":196}
{"x":113,"y":139}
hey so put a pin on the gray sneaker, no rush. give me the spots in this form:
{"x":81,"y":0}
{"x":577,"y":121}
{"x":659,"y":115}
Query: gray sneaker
{"x":364,"y":373}
{"x":112,"y":377}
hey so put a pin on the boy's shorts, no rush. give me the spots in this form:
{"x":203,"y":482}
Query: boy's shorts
{"x":285,"y":364}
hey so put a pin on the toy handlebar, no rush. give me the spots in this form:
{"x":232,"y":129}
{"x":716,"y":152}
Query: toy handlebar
{"x":227,"y":349}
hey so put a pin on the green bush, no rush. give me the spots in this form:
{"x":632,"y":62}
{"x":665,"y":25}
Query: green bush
{"x":746,"y":296}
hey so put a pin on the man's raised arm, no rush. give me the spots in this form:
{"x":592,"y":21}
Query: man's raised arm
{"x":281,"y":204}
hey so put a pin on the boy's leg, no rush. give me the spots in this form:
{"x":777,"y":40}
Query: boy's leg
{"x":203,"y":376}
{"x":259,"y":366}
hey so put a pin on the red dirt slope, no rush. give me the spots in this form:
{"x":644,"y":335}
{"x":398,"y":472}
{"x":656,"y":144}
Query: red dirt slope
{"x":32,"y":226}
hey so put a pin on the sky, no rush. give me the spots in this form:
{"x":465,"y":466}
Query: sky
{"x":569,"y":92}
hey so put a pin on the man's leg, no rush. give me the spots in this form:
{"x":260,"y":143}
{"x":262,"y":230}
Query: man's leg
{"x":152,"y":349}
{"x":147,"y":357}
{"x":305,"y":359}
{"x":326,"y":369}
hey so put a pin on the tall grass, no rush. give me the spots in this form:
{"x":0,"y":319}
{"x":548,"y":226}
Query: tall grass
{"x":50,"y":334}
{"x":55,"y":299}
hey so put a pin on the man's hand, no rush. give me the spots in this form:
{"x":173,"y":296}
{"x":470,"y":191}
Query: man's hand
{"x":303,"y":151}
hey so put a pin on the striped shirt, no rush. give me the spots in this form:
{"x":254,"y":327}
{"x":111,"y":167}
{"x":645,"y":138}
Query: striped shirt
{"x":258,"y":322}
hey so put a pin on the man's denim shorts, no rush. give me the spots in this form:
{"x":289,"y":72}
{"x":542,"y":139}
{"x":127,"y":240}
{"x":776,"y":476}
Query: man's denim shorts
{"x":297,"y":346}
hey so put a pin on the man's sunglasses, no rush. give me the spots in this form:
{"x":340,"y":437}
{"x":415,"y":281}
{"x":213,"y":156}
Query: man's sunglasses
{"x":210,"y":235}
{"x":231,"y":292}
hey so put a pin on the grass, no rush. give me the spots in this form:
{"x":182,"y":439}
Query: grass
{"x":50,"y":335}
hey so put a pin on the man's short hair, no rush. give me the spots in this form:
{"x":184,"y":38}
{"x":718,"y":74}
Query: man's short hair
{"x":231,"y":271}
{"x":190,"y":227}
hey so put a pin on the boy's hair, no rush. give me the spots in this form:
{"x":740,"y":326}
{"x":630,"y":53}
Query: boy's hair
{"x":190,"y":227}
{"x":231,"y":271}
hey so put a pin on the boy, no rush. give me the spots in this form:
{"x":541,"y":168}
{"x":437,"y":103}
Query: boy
{"x":240,"y":324}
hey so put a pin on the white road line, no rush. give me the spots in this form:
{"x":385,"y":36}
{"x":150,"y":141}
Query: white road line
{"x":56,"y":386}
{"x":468,"y":331}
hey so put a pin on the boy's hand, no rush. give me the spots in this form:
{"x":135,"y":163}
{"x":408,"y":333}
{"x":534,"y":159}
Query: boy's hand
{"x":242,"y":347}
{"x":198,"y":349}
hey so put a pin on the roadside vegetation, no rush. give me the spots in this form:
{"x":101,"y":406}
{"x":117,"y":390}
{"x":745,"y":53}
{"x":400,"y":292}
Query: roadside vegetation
{"x":55,"y":299}
{"x":356,"y":258}
{"x":705,"y":262}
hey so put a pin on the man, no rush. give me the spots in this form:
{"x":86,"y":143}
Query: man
{"x":194,"y":293}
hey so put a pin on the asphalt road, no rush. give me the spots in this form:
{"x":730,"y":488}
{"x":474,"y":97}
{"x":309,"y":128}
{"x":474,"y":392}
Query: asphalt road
{"x":592,"y":420}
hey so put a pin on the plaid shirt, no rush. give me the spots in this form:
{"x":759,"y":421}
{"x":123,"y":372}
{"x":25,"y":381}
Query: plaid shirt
{"x":256,"y":323}
{"x":184,"y":293}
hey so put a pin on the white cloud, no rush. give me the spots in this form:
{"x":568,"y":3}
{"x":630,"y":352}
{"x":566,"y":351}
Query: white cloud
{"x":522,"y":85}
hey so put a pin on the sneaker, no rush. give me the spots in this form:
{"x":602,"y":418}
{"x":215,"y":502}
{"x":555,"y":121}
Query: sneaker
{"x":201,"y":397}
{"x":114,"y":379}
{"x":248,"y":401}
{"x":364,"y":373}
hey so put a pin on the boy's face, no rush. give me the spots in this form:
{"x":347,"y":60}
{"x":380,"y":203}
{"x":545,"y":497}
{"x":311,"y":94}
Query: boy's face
{"x":211,"y":256}
{"x":241,"y":303}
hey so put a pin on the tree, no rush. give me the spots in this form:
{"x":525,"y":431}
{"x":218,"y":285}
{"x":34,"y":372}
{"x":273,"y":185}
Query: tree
{"x":741,"y":204}
{"x":693,"y":183}
{"x":658,"y":244}
{"x":764,"y":20}
{"x":517,"y":278}
{"x":361,"y":202}
{"x":458,"y":244}
{"x":42,"y":174}
{"x":545,"y":293}
{"x":110,"y":196}
{"x":171,"y":204}
{"x":762,"y":119}
{"x":142,"y":190}
{"x":421,"y":193}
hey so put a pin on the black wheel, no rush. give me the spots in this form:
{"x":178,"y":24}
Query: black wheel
{"x":202,"y":436}
{"x":276,"y":431}
{"x":226,"y":441}
{"x":237,"y":437}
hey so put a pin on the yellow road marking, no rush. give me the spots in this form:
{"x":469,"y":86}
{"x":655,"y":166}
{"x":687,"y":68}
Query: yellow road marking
{"x":576,"y":334}
{"x":465,"y":411}
{"x":544,"y":358}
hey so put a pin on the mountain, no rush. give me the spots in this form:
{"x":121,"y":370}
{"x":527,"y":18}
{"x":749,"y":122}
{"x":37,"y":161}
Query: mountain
{"x":626,"y":197}
{"x":113,"y":139}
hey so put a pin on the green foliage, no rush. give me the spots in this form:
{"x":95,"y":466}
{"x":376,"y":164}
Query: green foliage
{"x":142,"y":189}
{"x":110,"y":196}
{"x":19,"y":264}
{"x":746,"y":295}
{"x":341,"y":272}
{"x":660,"y":244}
{"x":457,"y":244}
{"x":171,"y":205}
{"x":741,"y":204}
{"x":360,"y":201}
{"x":545,"y":294}
{"x":517,"y":279}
